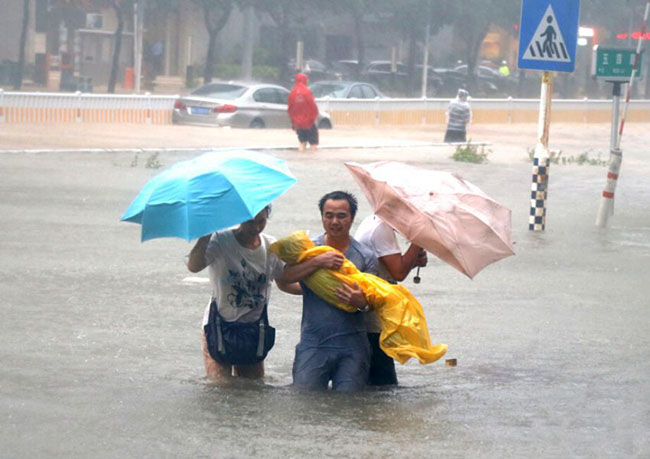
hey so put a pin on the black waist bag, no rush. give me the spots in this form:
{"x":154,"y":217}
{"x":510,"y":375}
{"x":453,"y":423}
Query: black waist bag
{"x":238,"y":343}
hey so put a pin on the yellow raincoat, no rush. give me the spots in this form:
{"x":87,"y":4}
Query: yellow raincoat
{"x":404,"y":332}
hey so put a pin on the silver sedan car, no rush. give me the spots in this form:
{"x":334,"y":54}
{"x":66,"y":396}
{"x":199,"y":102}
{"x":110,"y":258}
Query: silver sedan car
{"x":238,"y":104}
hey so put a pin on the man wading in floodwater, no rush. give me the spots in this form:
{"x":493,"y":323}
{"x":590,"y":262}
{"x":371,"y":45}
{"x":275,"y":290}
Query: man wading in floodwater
{"x":333,"y":343}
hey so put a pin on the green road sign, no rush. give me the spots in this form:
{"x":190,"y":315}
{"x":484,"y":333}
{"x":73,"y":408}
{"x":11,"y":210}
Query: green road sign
{"x":614,"y":64}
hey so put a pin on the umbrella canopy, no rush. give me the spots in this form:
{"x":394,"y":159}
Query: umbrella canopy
{"x":438,"y":211}
{"x":210,"y":192}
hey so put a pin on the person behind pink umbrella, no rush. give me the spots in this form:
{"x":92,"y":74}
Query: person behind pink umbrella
{"x":303,"y":113}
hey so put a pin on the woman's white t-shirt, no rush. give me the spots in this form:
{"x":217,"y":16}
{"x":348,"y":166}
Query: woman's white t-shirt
{"x":240,"y":277}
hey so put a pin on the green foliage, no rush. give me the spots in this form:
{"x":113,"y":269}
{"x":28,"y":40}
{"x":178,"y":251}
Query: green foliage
{"x":152,"y":162}
{"x":554,"y":155}
{"x":469,"y":153}
{"x":582,"y":159}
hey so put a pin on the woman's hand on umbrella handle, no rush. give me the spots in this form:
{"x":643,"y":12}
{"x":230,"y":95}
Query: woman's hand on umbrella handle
{"x":422,"y":258}
{"x":352,"y":295}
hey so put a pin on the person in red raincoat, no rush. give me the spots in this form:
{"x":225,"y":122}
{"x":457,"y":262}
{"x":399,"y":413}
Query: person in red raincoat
{"x":303,"y":113}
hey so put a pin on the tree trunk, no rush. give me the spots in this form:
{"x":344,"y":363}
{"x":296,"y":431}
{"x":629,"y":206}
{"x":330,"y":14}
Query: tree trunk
{"x":647,"y":72}
{"x":209,"y":61}
{"x":115,"y":65}
{"x":411,"y":79}
{"x":247,"y":55}
{"x":213,"y":24}
{"x":521,"y":81}
{"x":18,"y":77}
{"x":473,"y":50}
{"x":286,"y":48}
{"x":361,"y":45}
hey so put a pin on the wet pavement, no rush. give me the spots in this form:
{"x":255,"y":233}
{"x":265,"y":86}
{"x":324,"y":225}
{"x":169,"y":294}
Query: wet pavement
{"x":100,"y":348}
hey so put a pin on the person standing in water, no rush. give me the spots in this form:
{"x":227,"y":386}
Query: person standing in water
{"x":241,"y":271}
{"x":333,"y":343}
{"x":378,"y":236}
{"x":459,"y":115}
{"x":303,"y":113}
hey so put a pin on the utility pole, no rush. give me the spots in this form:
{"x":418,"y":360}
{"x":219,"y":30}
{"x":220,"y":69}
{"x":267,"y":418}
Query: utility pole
{"x":138,"y":30}
{"x":425,"y":60}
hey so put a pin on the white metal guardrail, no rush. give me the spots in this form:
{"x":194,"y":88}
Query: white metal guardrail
{"x":432,"y":111}
{"x":25,"y":107}
{"x":38,"y":107}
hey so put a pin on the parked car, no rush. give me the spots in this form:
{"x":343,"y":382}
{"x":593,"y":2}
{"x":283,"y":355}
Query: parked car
{"x":485,"y":73}
{"x":380,"y":74}
{"x":238,"y":104}
{"x":434,"y":80}
{"x":453,"y":80}
{"x":345,"y":90}
{"x":314,"y":69}
{"x":384,"y":68}
{"x":346,"y":69}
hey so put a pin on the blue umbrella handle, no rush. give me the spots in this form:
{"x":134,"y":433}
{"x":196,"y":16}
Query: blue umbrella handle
{"x":417,"y":279}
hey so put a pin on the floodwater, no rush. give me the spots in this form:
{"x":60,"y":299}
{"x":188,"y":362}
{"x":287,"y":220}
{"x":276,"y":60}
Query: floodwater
{"x":100,"y":347}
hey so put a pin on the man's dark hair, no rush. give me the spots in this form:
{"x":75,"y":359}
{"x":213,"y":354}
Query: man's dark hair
{"x":337,"y":196}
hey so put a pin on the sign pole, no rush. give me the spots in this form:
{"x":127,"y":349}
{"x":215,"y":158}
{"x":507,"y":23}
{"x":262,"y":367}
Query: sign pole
{"x":606,"y":207}
{"x":541,"y":159}
{"x":548,"y":38}
{"x":616,"y":98}
{"x":299,"y":56}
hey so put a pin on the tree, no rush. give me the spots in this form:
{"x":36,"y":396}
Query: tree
{"x":18,"y":81}
{"x":473,"y":20}
{"x":215,"y":17}
{"x":286,"y":15}
{"x":247,"y":7}
{"x":120,"y":8}
{"x":355,"y":10}
{"x":410,"y":18}
{"x":618,"y":16}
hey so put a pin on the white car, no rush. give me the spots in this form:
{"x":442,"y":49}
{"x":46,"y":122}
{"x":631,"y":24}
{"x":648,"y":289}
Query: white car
{"x":238,"y":104}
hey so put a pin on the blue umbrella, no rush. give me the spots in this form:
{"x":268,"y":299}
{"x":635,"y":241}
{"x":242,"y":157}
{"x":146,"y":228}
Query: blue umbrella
{"x":210,"y":192}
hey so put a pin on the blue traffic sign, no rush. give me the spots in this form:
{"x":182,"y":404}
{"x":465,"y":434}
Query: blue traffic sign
{"x":548,"y":34}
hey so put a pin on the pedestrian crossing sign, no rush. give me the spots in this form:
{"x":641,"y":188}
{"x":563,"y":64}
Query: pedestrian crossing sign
{"x":548,"y":34}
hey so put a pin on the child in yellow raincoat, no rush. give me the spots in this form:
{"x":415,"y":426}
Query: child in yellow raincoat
{"x":404,"y":331}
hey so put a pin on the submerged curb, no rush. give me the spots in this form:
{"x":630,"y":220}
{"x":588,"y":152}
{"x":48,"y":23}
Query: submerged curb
{"x":273,"y":147}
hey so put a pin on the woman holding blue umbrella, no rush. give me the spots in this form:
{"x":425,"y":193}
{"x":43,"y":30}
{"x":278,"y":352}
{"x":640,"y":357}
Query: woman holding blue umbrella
{"x":204,"y":198}
{"x":236,"y":334}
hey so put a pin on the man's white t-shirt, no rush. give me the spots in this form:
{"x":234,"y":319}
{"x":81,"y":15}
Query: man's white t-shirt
{"x":379,"y":237}
{"x":240,"y":277}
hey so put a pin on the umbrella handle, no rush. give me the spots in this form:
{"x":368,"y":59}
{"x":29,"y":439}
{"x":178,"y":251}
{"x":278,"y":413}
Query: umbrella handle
{"x":417,"y":279}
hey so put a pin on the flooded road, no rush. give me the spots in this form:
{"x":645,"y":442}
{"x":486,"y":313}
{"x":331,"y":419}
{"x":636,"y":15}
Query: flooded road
{"x":100,"y":334}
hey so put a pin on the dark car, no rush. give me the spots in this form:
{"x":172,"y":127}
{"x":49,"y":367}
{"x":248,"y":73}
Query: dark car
{"x":346,"y":69}
{"x":345,"y":90}
{"x":453,"y":80}
{"x":314,"y":69}
{"x":434,"y":80}
{"x":238,"y":104}
{"x":488,"y":74}
{"x":380,"y":73}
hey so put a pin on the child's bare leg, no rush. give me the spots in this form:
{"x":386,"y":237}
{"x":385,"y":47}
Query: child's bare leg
{"x":214,"y":371}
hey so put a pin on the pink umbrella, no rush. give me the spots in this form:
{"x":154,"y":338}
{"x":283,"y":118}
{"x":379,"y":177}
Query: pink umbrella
{"x":438,"y":211}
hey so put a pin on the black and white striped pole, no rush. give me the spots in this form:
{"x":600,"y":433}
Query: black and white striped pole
{"x":541,"y":158}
